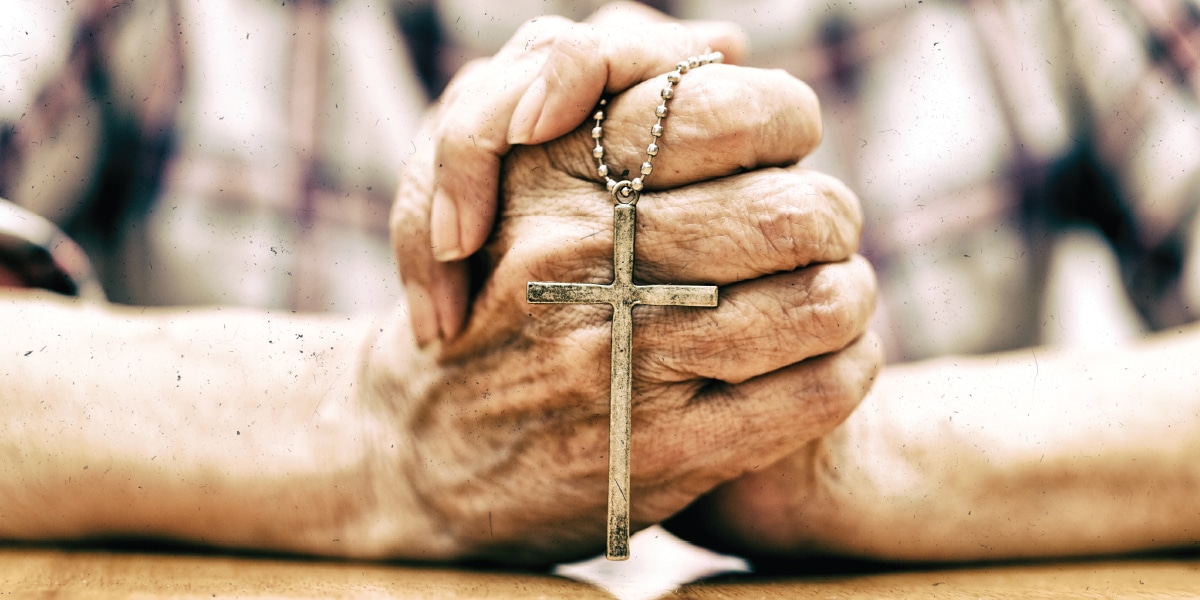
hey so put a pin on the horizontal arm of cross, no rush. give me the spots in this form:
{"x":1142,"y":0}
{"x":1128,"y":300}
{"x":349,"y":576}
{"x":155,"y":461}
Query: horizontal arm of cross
{"x":568,"y":293}
{"x":591,"y":293}
{"x":677,"y":295}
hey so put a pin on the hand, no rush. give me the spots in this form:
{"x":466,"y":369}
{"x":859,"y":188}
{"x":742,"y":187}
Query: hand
{"x":1033,"y":453}
{"x":501,"y":434}
{"x":542,"y":84}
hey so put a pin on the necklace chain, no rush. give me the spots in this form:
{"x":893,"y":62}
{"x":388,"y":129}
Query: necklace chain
{"x":627,"y":192}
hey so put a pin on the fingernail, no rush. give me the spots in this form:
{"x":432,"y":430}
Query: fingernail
{"x":443,"y":232}
{"x":529,"y":109}
{"x":422,"y":315}
{"x":450,"y":295}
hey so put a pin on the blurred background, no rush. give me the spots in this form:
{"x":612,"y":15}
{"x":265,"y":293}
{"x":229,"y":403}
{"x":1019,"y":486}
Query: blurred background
{"x":1022,"y":165}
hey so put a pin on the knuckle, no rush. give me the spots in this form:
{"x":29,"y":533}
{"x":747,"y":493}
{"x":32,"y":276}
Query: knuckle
{"x":809,"y":106}
{"x":853,"y":372}
{"x":410,"y":208}
{"x":584,"y":42}
{"x":786,"y":228}
{"x":538,"y":33}
{"x":453,"y":139}
{"x":465,"y":78}
{"x":408,"y":226}
{"x":802,"y":218}
{"x":821,"y":217}
{"x":795,"y":120}
{"x":739,"y":122}
{"x":844,"y":207}
{"x":834,"y":308}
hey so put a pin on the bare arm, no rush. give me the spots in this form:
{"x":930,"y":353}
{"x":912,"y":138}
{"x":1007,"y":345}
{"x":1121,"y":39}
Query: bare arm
{"x":219,"y":426}
{"x":1032,"y":453}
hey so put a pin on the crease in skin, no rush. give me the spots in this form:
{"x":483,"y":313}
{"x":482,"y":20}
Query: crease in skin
{"x":557,"y":226}
{"x":689,"y":127}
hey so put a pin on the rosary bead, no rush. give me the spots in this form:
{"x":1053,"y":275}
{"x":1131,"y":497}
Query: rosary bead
{"x":717,"y":57}
{"x":630,"y":189}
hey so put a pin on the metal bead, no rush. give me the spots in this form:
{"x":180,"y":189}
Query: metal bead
{"x":626,"y":192}
{"x":717,"y":57}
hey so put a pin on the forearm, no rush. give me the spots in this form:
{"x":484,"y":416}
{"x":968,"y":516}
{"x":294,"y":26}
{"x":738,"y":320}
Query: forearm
{"x":1032,"y":453}
{"x":217,"y":426}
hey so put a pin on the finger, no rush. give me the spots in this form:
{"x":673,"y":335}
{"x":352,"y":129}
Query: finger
{"x":422,"y":277}
{"x":514,"y":92}
{"x":472,"y":136}
{"x":745,"y":226}
{"x":720,"y":35}
{"x":716,"y":232}
{"x":729,"y":430}
{"x":610,"y":55}
{"x":721,"y":120}
{"x":758,"y":326}
{"x":436,"y":292}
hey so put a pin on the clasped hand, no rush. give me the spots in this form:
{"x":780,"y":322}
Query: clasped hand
{"x":500,"y":432}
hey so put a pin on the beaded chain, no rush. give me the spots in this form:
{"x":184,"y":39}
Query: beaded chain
{"x":627,"y":192}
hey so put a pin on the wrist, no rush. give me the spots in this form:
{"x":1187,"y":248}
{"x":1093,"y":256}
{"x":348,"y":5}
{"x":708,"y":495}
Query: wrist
{"x":395,"y":521}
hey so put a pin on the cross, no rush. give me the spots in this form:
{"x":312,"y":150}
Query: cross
{"x":622,"y":294}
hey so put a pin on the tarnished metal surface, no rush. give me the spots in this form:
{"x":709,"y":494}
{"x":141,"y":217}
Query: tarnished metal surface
{"x":623,"y":295}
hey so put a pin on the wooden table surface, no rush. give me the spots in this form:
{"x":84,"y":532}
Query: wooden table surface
{"x":108,"y":574}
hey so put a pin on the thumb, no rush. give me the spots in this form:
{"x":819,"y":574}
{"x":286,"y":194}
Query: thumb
{"x":590,"y":60}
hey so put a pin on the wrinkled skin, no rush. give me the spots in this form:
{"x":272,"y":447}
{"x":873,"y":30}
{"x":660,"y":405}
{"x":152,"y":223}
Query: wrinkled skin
{"x":501,"y":434}
{"x":541,"y":85}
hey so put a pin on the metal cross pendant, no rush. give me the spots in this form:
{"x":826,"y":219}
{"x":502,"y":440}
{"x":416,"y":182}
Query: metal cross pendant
{"x":622,"y":294}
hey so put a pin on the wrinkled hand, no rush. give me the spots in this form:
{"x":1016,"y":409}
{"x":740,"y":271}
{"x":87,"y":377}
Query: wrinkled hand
{"x":541,"y":85}
{"x":501,"y":434}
